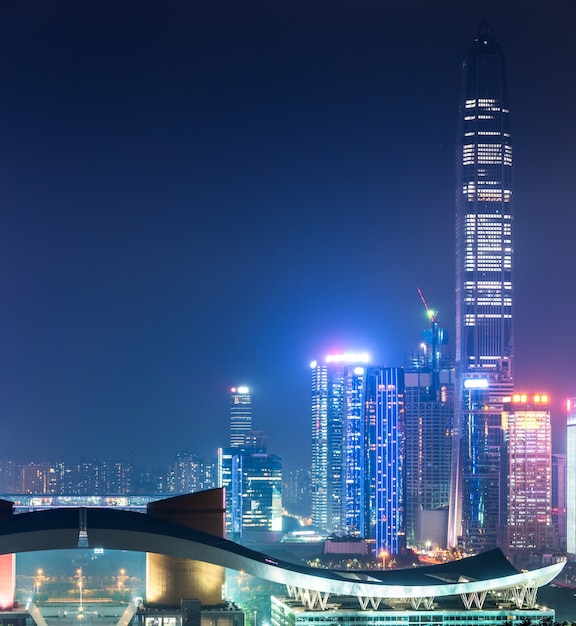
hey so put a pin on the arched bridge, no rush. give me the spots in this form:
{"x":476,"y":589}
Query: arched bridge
{"x":70,"y":528}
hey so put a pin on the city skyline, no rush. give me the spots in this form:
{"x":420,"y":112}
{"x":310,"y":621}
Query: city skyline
{"x":184,"y":192}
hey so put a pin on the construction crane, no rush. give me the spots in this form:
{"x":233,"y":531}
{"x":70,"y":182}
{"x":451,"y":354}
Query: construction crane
{"x":433,"y":338}
{"x":431,"y":313}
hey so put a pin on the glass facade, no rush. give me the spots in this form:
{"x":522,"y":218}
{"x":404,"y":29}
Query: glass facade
{"x":230,"y":477}
{"x":527,"y":474}
{"x":261,"y":492}
{"x":429,"y":429}
{"x":319,"y":473}
{"x":384,"y":491}
{"x":240,"y":415}
{"x":484,"y":264}
{"x":337,"y":442}
{"x":358,"y":451}
{"x":253,"y":483}
{"x":354,"y":452}
{"x":484,"y":210}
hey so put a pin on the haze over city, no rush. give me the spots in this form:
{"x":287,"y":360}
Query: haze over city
{"x":201,"y":195}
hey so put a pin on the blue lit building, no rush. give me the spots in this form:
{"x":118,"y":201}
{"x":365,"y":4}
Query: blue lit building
{"x":357,"y":472}
{"x":384,"y":450}
{"x":252,"y":479}
{"x":354,"y":458}
{"x":337,"y":384}
{"x":230,"y":477}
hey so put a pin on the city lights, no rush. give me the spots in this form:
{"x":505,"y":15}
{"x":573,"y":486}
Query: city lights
{"x":348,"y":357}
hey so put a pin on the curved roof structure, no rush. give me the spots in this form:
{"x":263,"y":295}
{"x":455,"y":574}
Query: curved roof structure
{"x":126,"y":530}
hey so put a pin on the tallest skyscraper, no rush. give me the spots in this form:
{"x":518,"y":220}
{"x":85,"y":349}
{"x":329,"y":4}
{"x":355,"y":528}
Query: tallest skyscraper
{"x":484,"y":259}
{"x":484,"y":212}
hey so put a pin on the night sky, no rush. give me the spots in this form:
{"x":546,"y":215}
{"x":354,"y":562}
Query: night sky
{"x":195,"y":195}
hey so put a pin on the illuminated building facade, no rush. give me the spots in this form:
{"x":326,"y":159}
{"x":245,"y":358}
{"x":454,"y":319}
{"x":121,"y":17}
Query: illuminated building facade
{"x":252,"y":479}
{"x":261,"y":492}
{"x":230,"y":478}
{"x":240,"y":415}
{"x":337,"y":387}
{"x":527,"y":473}
{"x":357,"y":474}
{"x":354,"y":457}
{"x":35,"y":478}
{"x":429,"y":417}
{"x":384,"y":449}
{"x":571,"y":476}
{"x":484,"y":210}
{"x":190,"y":473}
{"x":484,"y":263}
{"x":481,"y":440}
{"x":559,"y":501}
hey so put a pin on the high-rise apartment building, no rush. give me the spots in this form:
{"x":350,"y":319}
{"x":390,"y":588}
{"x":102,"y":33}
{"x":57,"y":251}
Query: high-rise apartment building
{"x":35,"y":478}
{"x":571,"y":476}
{"x":240,"y":415}
{"x":357,"y":476}
{"x":527,"y":474}
{"x":354,"y":453}
{"x":189,"y":473}
{"x":484,"y":263}
{"x":384,"y":452}
{"x":336,"y":387}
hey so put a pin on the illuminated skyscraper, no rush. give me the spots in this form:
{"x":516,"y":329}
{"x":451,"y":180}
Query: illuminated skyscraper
{"x":240,"y":415}
{"x":571,"y":476}
{"x":429,"y":418}
{"x":484,"y":211}
{"x":384,"y":451}
{"x":358,"y":450}
{"x":252,"y":479}
{"x":484,"y":259}
{"x":354,"y":452}
{"x":337,"y":385}
{"x":527,"y":473}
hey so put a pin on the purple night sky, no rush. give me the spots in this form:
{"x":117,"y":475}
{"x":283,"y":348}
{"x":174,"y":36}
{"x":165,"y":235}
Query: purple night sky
{"x":195,"y":195}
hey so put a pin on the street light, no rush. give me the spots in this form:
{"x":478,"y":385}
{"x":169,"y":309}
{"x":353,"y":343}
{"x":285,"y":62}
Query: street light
{"x":121,"y":579}
{"x":81,"y":589}
{"x":38,"y":580}
{"x":383,"y":555}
